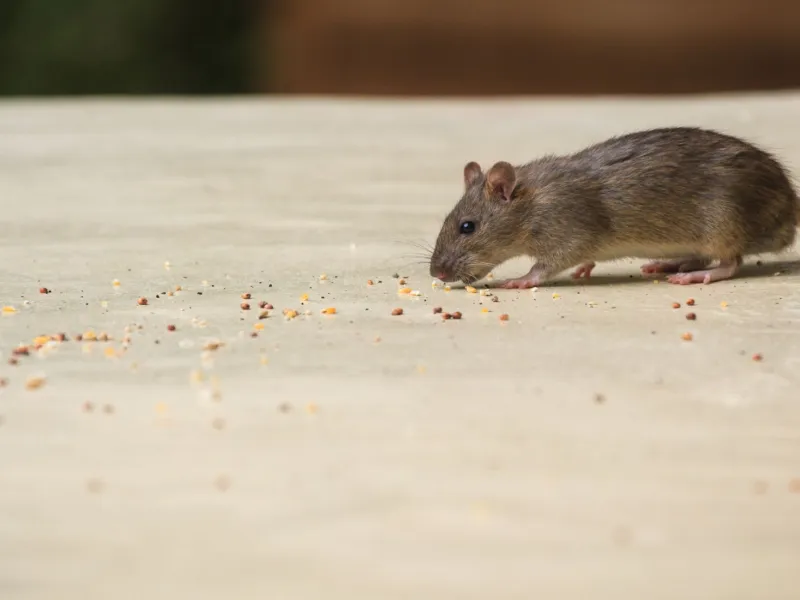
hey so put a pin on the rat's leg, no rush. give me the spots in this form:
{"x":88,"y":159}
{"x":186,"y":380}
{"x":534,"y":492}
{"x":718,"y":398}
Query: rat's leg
{"x":677,"y":265}
{"x":583,"y":270}
{"x":538,"y":274}
{"x":726,"y":269}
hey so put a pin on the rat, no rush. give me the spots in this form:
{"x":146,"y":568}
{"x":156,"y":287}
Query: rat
{"x":693,"y":201}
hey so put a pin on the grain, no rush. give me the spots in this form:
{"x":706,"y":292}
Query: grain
{"x":690,"y":302}
{"x":142,"y":301}
{"x":691,"y":316}
{"x":396,"y":312}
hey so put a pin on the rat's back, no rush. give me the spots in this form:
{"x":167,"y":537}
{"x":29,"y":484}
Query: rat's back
{"x":686,"y":184}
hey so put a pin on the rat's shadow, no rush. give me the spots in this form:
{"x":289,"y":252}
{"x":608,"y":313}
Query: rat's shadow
{"x":748,"y":271}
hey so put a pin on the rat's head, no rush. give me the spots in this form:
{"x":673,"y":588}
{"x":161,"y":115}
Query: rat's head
{"x":479,"y":233}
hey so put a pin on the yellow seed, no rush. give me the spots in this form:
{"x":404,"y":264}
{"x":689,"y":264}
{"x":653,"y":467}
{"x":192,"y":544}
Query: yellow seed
{"x":258,"y":326}
{"x":264,"y":360}
{"x":304,"y":298}
{"x":405,"y":290}
{"x":556,"y":296}
{"x":115,"y":283}
{"x":723,"y":304}
{"x":484,"y":310}
{"x":311,"y":408}
{"x":90,"y":336}
{"x":196,"y":376}
{"x":329,"y":311}
{"x":104,"y":304}
{"x":323,"y":277}
{"x":471,"y":290}
{"x":290,"y":314}
{"x":40,"y":340}
{"x":161,"y":408}
{"x":421,"y":370}
{"x":167,"y":265}
{"x":110,"y":352}
{"x":34,"y":383}
{"x":447,"y":288}
{"x":8,"y":310}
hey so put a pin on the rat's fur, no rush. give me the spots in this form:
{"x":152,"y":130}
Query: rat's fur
{"x":685,"y":193}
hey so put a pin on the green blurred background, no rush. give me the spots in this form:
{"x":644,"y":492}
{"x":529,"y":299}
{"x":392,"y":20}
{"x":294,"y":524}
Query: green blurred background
{"x":68,"y":47}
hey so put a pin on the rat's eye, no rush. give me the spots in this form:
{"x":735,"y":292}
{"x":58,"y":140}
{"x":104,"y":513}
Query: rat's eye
{"x":467,"y":227}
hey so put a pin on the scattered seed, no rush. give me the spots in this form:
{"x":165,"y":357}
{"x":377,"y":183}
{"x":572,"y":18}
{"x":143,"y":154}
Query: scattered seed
{"x":323,"y":277}
{"x":446,"y":316}
{"x":471,"y":290}
{"x":3,"y":382}
{"x":87,"y":407}
{"x":690,"y":302}
{"x":262,"y":304}
{"x":304,"y":298}
{"x":484,"y":310}
{"x":456,"y":315}
{"x":263,"y":314}
{"x":222,"y":483}
{"x":599,"y":398}
{"x":34,"y":383}
{"x":170,"y":327}
{"x":495,"y":299}
{"x":687,"y":337}
{"x":329,"y":311}
{"x":246,"y":296}
{"x":95,"y":485}
{"x":794,"y":486}
{"x":691,"y":316}
{"x":258,"y":326}
{"x":9,"y":310}
{"x":290,"y":314}
{"x":676,"y":305}
{"x":504,"y":317}
{"x":405,"y":290}
{"x":13,"y":361}
{"x":21,"y":351}
{"x":401,"y":281}
{"x":370,"y":282}
{"x":253,"y":334}
{"x":556,"y":296}
{"x":758,"y":357}
{"x":437,"y":310}
{"x":115,"y":283}
{"x":447,"y":288}
{"x":723,"y":304}
{"x":397,"y":312}
{"x":44,"y":290}
{"x":269,"y":306}
{"x":312,"y":408}
{"x":244,"y":306}
{"x":395,"y":276}
{"x":142,"y":301}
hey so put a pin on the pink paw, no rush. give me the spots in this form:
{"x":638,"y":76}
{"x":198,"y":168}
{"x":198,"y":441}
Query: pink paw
{"x":690,"y":278}
{"x":584,"y":270}
{"x":522,"y":283}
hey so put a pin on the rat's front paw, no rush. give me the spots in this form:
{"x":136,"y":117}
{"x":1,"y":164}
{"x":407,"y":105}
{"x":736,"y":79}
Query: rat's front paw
{"x":520,"y":283}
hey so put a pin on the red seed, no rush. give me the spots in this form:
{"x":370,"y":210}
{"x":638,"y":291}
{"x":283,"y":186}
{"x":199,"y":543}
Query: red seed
{"x":262,"y":304}
{"x":245,"y":306}
{"x":170,"y":327}
{"x":437,"y":310}
{"x":676,"y":305}
{"x":758,"y":357}
{"x":142,"y":301}
{"x":690,"y":302}
{"x":397,"y":312}
{"x":456,"y":315}
{"x":447,"y":316}
{"x":245,"y":296}
{"x":13,"y":361}
{"x":691,"y":316}
{"x":44,"y":290}
{"x":21,"y":351}
{"x":504,"y":317}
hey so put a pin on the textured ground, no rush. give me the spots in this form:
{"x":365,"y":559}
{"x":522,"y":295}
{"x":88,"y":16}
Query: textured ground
{"x":580,"y":450}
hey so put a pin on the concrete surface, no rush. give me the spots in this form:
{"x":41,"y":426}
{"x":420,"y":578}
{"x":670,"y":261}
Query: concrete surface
{"x":580,"y":450}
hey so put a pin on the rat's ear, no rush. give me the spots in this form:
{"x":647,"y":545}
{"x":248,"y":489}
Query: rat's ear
{"x":501,"y":180}
{"x":472,"y":171}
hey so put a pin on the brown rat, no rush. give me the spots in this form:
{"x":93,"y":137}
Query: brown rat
{"x":684,"y":197}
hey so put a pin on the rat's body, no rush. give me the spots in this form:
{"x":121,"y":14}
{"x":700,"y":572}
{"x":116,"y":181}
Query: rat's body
{"x":682,"y":196}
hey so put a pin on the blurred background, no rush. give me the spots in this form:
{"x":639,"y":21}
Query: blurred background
{"x":389,"y":47}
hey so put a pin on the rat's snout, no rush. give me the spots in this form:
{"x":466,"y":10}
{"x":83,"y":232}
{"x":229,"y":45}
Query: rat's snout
{"x":442,"y":269}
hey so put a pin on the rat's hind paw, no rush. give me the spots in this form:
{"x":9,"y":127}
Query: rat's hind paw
{"x":725,"y":270}
{"x":678,"y":265}
{"x":521,"y":283}
{"x":583,"y":270}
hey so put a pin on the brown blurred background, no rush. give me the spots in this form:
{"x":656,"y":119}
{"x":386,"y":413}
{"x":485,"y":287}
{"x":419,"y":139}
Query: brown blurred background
{"x":412,"y":47}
